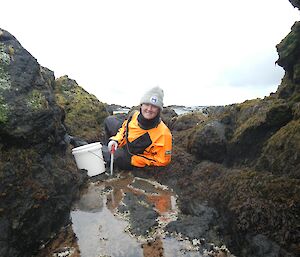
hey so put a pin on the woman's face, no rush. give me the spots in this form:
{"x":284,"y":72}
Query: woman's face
{"x":149,"y":111}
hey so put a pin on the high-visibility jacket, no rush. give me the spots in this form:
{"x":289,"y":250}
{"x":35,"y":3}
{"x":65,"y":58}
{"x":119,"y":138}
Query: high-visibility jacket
{"x":147,"y":147}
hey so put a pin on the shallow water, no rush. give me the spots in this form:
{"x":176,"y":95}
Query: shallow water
{"x":102,"y":230}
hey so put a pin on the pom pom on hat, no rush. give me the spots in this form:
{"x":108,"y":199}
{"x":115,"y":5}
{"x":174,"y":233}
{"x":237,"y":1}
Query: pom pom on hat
{"x":154,"y":96}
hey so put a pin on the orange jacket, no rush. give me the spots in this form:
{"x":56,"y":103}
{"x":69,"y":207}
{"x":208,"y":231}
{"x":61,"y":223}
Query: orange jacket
{"x":150,"y":147}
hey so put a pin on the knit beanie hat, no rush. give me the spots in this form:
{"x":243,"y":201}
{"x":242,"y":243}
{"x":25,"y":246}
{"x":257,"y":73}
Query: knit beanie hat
{"x":154,"y":96}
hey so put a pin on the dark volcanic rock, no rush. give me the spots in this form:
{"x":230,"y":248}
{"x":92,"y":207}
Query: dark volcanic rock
{"x":38,"y":177}
{"x":142,"y":216}
{"x":196,"y":222}
{"x":27,"y":102}
{"x":209,"y":142}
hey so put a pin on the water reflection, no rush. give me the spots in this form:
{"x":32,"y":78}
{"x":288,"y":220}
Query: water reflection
{"x":101,"y":232}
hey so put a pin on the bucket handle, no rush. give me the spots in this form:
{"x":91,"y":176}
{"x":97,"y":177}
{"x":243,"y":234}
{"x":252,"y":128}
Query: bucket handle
{"x":101,"y":158}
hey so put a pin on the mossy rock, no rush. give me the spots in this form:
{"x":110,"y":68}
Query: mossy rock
{"x":84,"y":112}
{"x":289,"y":90}
{"x":208,"y":141}
{"x":254,"y":128}
{"x":289,"y":49}
{"x":250,"y":201}
{"x":36,"y":197}
{"x":168,"y":116}
{"x":296,"y":110}
{"x":281,"y":155}
{"x":189,"y":120}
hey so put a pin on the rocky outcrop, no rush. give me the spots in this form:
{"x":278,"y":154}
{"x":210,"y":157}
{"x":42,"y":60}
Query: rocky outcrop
{"x":237,"y":135}
{"x":38,"y":177}
{"x":250,"y":202}
{"x":239,"y":179}
{"x":84,"y":112}
{"x":289,"y":59}
{"x":186,"y":121}
{"x":281,"y":152}
{"x":209,"y":141}
{"x":256,"y":185}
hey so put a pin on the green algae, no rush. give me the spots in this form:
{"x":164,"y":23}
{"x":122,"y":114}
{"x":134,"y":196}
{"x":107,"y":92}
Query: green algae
{"x":84,"y":112}
{"x":266,"y":115}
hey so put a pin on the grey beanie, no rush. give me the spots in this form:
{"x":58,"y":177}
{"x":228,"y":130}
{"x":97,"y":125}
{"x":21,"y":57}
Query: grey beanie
{"x":154,"y":96}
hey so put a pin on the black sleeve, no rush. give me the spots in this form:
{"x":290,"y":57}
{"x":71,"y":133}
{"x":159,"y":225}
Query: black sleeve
{"x":122,"y":159}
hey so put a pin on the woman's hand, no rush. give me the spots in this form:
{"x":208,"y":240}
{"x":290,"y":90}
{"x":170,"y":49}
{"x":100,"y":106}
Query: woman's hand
{"x":111,"y":144}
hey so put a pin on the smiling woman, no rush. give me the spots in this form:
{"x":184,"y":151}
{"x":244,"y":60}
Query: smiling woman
{"x":143,"y":139}
{"x":125,"y":47}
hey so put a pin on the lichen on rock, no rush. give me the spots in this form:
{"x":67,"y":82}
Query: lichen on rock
{"x":36,"y":100}
{"x":5,"y":82}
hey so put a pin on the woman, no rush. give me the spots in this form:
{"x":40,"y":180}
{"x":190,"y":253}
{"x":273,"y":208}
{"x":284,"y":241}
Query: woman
{"x":143,"y":139}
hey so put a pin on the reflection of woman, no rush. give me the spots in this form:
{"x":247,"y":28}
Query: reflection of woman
{"x":143,"y":139}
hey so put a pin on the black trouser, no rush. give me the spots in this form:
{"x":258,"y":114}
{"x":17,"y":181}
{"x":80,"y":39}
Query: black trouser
{"x":112,"y":124}
{"x":122,"y":158}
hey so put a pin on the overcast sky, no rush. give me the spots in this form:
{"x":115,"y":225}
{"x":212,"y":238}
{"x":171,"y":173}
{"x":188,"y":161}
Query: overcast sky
{"x":200,"y":52}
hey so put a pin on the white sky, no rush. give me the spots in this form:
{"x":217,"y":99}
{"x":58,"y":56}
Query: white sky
{"x":200,"y":52}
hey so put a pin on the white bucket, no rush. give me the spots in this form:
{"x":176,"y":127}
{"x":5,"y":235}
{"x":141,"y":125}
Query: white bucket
{"x":90,"y":158}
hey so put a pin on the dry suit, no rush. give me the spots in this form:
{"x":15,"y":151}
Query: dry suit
{"x":141,"y":142}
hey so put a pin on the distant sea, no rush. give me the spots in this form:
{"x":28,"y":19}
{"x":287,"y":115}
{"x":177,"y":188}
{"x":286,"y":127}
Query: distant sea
{"x":187,"y":109}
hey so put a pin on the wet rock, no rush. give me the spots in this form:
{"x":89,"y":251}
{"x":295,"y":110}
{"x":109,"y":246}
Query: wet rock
{"x":197,"y":221}
{"x":196,"y":208}
{"x":190,"y":226}
{"x":141,"y":214}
